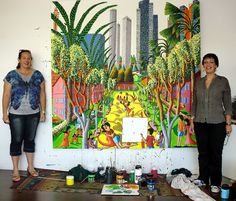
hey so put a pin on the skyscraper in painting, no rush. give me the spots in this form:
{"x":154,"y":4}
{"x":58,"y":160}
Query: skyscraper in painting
{"x":147,"y":29}
{"x":126,"y":40}
{"x":112,"y":40}
{"x":117,"y":40}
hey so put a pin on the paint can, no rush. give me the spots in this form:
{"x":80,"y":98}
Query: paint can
{"x":151,"y":184}
{"x":131,"y":176}
{"x":138,"y":173}
{"x":224,"y":191}
{"x":119,"y":177}
{"x":91,"y":178}
{"x":69,"y":180}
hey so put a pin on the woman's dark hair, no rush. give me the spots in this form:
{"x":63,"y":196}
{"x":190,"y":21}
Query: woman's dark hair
{"x":150,"y":130}
{"x":105,"y":124}
{"x":68,"y":128}
{"x":19,"y":56}
{"x":211,"y":56}
{"x":187,"y":121}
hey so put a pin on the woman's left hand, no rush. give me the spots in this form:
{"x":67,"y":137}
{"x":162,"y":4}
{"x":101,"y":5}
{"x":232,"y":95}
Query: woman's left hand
{"x":228,"y":129}
{"x":42,"y":117}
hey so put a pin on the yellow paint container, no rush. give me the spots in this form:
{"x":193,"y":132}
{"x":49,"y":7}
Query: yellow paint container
{"x":70,"y":180}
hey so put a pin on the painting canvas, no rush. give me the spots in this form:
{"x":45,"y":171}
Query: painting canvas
{"x":117,"y":189}
{"x":118,"y":61}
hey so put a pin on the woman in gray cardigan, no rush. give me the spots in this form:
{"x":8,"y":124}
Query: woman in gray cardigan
{"x":211,"y":121}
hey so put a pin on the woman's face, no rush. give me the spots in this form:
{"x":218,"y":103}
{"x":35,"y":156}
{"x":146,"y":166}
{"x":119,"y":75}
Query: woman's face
{"x":209,"y":65}
{"x":106,"y":127}
{"x":25,"y":60}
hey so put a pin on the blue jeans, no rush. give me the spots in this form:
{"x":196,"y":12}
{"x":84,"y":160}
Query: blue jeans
{"x":23,"y":129}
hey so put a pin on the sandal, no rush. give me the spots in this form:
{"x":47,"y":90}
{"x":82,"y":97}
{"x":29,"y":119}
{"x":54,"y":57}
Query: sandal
{"x":15,"y":177}
{"x":33,"y":173}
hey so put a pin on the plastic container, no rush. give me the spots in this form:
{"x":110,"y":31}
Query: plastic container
{"x":137,"y":173}
{"x":151,"y":184}
{"x":154,"y":173}
{"x":225,"y":191}
{"x":109,"y":175}
{"x":131,"y":176}
{"x":91,"y":178}
{"x":70,"y":180}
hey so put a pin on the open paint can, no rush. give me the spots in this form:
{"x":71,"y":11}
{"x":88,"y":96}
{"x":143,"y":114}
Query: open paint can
{"x":91,"y":178}
{"x":70,"y":180}
{"x":225,"y":191}
{"x":151,"y":184}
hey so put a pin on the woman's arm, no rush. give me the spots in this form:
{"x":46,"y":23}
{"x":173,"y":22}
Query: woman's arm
{"x":5,"y":101}
{"x":42,"y":102}
{"x":228,"y":124}
{"x":193,"y":108}
{"x":227,"y":102}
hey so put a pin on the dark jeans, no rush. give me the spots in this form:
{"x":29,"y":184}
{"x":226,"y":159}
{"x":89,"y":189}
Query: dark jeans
{"x":210,"y":141}
{"x":23,"y":129}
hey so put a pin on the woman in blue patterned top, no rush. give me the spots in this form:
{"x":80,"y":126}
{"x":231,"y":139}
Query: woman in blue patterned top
{"x":23,"y":106}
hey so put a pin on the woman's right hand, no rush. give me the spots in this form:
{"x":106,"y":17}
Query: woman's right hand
{"x":5,"y":119}
{"x":191,"y":127}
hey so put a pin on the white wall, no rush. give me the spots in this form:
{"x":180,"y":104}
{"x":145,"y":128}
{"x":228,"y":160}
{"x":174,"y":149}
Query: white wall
{"x":26,"y":24}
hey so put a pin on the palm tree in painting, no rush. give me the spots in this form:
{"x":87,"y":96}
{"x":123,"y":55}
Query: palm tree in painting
{"x":70,"y":61}
{"x":73,"y":33}
{"x":159,"y":47}
{"x":183,"y":21}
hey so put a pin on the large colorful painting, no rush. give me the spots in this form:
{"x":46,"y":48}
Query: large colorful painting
{"x":123,"y":73}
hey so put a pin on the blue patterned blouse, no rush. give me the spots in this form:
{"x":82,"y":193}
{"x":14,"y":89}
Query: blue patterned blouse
{"x":21,"y":88}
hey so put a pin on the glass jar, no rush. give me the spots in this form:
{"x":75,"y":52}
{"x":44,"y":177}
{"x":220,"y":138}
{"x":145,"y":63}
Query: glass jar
{"x":119,"y":177}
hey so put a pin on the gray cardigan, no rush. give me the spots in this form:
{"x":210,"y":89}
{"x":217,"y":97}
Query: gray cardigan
{"x":212,"y":104}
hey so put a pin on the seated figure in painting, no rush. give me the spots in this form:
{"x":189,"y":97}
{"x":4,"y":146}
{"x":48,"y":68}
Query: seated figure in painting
{"x":110,"y":133}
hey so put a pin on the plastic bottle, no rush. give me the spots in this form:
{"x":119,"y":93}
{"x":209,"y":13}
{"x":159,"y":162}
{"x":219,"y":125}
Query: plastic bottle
{"x":109,"y":175}
{"x":137,"y":173}
{"x":131,"y":176}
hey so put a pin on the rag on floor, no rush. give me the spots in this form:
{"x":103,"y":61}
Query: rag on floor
{"x":79,"y":173}
{"x":188,"y":188}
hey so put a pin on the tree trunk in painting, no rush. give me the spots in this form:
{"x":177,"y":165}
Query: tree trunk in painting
{"x":85,"y":123}
{"x":68,"y":105}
